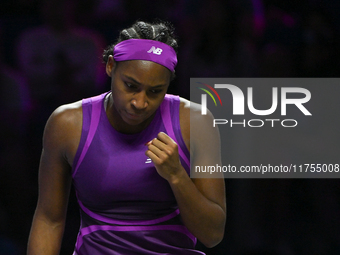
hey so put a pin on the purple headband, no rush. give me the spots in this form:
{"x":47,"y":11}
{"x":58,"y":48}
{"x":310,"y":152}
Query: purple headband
{"x":143,"y":49}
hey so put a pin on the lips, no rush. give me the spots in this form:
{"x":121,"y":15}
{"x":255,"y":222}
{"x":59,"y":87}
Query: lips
{"x":134,"y":116}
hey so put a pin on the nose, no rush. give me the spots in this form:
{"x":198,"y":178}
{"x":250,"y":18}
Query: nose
{"x":139,"y":100}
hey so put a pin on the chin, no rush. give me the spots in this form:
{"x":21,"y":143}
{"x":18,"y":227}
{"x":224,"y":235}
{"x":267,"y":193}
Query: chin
{"x":133,"y":120}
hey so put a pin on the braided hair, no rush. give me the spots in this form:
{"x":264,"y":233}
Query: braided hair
{"x":160,"y":31}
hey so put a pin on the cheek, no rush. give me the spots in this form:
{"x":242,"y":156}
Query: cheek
{"x":117,"y":91}
{"x":155,"y":104}
{"x":119,"y":101}
{"x":118,"y":97}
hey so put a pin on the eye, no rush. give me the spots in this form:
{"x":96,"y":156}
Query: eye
{"x":130,"y":86}
{"x":156,"y":91}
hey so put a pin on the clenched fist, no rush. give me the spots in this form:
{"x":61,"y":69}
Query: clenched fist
{"x":163,"y":151}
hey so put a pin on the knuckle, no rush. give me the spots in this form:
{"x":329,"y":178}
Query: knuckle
{"x":164,"y":155}
{"x":174,"y":147}
{"x":169,"y":152}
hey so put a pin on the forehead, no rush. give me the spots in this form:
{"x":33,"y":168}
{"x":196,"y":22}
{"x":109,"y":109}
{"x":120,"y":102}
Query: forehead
{"x":145,"y":72}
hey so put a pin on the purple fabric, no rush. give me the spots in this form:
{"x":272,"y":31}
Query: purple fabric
{"x":94,"y":228}
{"x":166,"y":116}
{"x":126,"y":206}
{"x":126,"y":222}
{"x":143,"y":49}
{"x":96,"y":109}
{"x":136,"y":242}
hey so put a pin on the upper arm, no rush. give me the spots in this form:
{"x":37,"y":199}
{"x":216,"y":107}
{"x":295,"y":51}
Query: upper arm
{"x":205,"y":150}
{"x":55,"y":167}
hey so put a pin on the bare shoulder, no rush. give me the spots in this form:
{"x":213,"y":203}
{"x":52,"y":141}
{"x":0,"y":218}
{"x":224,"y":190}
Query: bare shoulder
{"x":184,"y":108}
{"x":66,"y":116}
{"x":68,"y":113}
{"x":204,"y":138}
{"x":190,"y":114}
{"x":193,"y":109}
{"x":63,"y":130}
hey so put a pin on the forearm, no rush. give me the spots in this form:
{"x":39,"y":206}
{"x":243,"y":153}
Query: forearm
{"x":45,"y":237}
{"x":202,"y":204}
{"x":204,"y":218}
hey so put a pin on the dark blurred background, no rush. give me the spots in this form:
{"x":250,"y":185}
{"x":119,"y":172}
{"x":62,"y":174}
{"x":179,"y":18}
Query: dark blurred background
{"x":50,"y":54}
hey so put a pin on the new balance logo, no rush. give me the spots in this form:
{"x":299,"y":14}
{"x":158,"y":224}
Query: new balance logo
{"x":148,"y":161}
{"x":155,"y":50}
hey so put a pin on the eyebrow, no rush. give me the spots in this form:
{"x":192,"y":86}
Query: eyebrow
{"x":138,"y":83}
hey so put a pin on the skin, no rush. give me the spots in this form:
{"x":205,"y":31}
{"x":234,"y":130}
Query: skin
{"x":138,"y":88}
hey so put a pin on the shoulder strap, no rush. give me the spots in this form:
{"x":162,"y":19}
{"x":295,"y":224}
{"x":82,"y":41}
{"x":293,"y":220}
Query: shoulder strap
{"x":96,"y":103}
{"x":166,"y":117}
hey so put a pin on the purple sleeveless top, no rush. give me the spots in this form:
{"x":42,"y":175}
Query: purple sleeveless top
{"x":126,"y":206}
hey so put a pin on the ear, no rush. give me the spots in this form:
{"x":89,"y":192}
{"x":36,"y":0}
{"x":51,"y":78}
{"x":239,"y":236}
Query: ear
{"x":110,"y":65}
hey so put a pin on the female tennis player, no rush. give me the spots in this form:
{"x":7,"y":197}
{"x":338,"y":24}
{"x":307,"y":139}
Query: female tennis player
{"x":128,"y":154}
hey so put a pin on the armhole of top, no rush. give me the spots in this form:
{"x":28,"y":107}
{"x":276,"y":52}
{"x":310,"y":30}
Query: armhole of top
{"x":177,"y":129}
{"x":91,"y":114}
{"x":169,"y":109}
{"x":86,"y":112}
